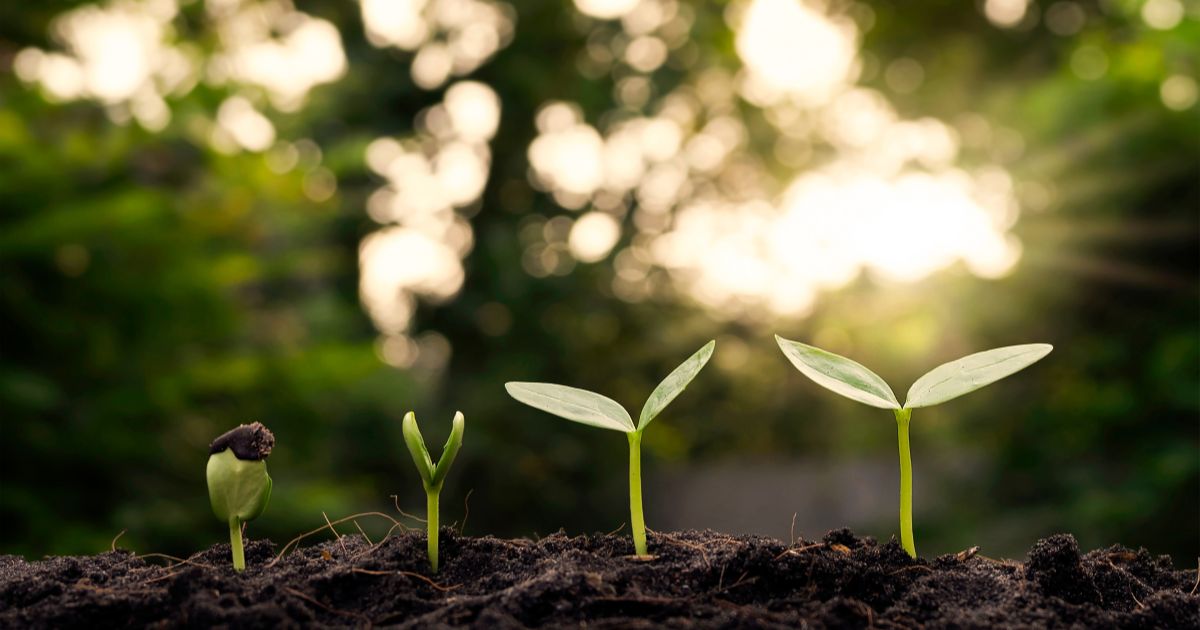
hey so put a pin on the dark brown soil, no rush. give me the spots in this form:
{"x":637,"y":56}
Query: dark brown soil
{"x":697,"y":579}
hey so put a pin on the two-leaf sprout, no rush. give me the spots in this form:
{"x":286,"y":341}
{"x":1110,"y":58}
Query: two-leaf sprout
{"x":238,"y":484}
{"x":432,"y":475}
{"x":589,"y":408}
{"x":947,"y":381}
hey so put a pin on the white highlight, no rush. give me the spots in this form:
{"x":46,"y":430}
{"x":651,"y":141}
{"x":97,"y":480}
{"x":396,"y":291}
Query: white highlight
{"x":593,"y":236}
{"x":418,"y":253}
{"x":792,"y":49}
{"x":605,"y":9}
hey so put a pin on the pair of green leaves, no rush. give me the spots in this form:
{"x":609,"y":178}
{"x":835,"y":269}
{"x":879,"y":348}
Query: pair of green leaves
{"x":432,"y":475}
{"x":582,"y":406}
{"x":945,"y":382}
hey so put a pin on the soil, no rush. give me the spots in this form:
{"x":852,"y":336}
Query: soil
{"x":696,"y":579}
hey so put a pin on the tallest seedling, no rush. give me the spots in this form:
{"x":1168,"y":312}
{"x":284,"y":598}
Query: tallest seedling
{"x":946,"y":381}
{"x":582,"y":406}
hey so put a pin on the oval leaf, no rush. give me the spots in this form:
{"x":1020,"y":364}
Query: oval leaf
{"x":839,"y":374}
{"x":450,"y":450}
{"x":578,"y":405}
{"x":674,"y":384}
{"x":953,"y":379}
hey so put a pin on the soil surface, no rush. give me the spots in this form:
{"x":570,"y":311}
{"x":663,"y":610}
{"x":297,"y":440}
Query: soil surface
{"x":696,"y":579}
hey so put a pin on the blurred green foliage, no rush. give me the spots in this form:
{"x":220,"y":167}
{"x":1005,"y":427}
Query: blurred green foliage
{"x":155,"y":292}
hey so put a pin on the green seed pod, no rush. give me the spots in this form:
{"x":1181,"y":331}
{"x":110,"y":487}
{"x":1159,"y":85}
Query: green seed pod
{"x":238,"y":484}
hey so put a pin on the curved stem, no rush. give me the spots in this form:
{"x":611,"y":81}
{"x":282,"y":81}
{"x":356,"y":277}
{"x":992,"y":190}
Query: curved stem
{"x":235,"y":543}
{"x":637,"y":522}
{"x":431,"y":518}
{"x":906,"y":533}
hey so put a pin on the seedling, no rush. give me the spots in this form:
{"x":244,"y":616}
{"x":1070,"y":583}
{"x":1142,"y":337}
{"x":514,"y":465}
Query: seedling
{"x":584,"y":407}
{"x":238,"y":484}
{"x":947,"y":381}
{"x":432,"y":476}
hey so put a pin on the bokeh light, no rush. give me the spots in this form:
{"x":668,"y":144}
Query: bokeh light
{"x":322,"y":212}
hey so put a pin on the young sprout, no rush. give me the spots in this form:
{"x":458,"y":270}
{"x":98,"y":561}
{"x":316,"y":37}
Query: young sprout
{"x":585,"y":407}
{"x":432,"y":476}
{"x":947,"y":381}
{"x":238,"y":484}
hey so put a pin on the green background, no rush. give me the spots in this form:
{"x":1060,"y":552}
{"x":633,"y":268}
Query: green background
{"x":155,"y":292}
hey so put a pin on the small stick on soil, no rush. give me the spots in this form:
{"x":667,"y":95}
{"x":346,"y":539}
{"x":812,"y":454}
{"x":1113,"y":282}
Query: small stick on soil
{"x":160,"y":578}
{"x":616,"y":530}
{"x":83,"y":584}
{"x":1135,"y":597}
{"x":335,"y":532}
{"x":740,"y":581}
{"x":312,"y":600}
{"x":466,"y":511}
{"x":396,"y":502}
{"x":295,"y":541}
{"x":870,"y":613}
{"x":1197,"y":584}
{"x":1008,"y":563}
{"x":440,"y":587}
{"x":912,"y":568}
{"x":375,"y":546}
{"x":799,"y":550}
{"x":113,"y":545}
{"x":360,"y":530}
{"x":670,"y":538}
{"x":1133,"y":578}
{"x":177,"y":561}
{"x":966,"y":554}
{"x":792,"y":531}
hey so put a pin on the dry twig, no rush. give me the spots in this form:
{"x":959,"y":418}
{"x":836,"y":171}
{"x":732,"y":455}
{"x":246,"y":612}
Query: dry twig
{"x":335,"y":532}
{"x":314,"y":601}
{"x":329,"y":525}
{"x":113,"y":545}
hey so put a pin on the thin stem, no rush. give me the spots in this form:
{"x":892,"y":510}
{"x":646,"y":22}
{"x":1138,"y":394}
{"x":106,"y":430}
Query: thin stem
{"x":235,"y":542}
{"x":906,"y":533}
{"x":638,"y":523}
{"x":431,"y":517}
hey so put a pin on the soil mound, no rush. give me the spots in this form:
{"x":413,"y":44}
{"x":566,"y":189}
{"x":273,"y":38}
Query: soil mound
{"x":696,"y":579}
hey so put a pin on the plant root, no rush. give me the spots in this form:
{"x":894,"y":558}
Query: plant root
{"x":335,"y":532}
{"x":396,"y":502}
{"x":441,"y":587}
{"x":113,"y":546}
{"x":798,"y":550}
{"x":328,"y":525}
{"x":466,"y":511}
{"x":310,"y":599}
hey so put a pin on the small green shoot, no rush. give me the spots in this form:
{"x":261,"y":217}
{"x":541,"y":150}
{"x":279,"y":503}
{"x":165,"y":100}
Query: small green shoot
{"x":582,"y":406}
{"x":432,"y":476}
{"x":238,"y":484}
{"x":947,"y":381}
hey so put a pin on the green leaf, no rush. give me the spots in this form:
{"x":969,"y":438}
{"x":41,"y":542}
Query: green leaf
{"x":674,"y":384}
{"x":237,"y":487}
{"x":578,"y":405}
{"x":953,"y":379}
{"x":416,"y":447}
{"x":839,"y":374}
{"x":450,"y":450}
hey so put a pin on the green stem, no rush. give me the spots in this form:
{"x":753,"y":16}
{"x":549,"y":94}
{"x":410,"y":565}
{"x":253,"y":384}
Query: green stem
{"x":431,"y":516}
{"x":235,"y":542}
{"x":906,"y":533}
{"x":635,"y":492}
